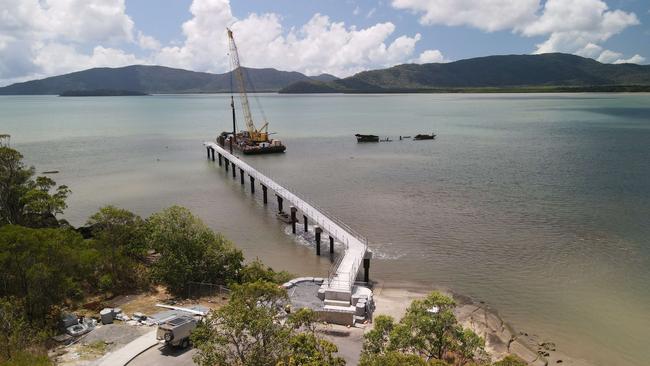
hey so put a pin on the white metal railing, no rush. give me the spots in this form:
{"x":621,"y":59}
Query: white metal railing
{"x":355,"y":244}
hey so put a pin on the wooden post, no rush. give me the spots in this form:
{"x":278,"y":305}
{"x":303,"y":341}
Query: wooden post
{"x":252,"y":185}
{"x":264,"y":194}
{"x":241,"y":176}
{"x":331,"y":245}
{"x":304,"y":218}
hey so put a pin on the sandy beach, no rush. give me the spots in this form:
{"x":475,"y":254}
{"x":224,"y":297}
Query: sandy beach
{"x":501,"y":339}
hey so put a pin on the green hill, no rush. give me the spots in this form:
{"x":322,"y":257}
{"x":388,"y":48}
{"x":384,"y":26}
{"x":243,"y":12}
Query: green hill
{"x":546,"y":72}
{"x":153,"y":80}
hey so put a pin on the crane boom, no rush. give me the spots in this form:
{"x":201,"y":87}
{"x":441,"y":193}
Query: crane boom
{"x":255,"y":135}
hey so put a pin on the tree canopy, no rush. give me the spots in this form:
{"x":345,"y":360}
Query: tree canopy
{"x":190,"y":251}
{"x":249,"y":330}
{"x":25,"y":200}
{"x":429,"y":331}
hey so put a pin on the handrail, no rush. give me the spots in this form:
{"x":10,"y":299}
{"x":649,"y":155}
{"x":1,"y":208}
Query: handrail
{"x":321,"y":216}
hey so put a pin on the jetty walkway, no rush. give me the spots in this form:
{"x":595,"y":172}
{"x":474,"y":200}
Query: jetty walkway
{"x":341,"y":277}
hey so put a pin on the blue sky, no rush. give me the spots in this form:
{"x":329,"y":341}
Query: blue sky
{"x":47,"y":37}
{"x":163,"y":18}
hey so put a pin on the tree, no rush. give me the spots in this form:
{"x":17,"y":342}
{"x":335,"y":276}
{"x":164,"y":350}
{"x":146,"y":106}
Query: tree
{"x":245,"y":331}
{"x":376,"y":341}
{"x":24,"y":200}
{"x":189,"y":251}
{"x":249,"y":331}
{"x":306,"y":349}
{"x":44,"y":267}
{"x":119,"y":235}
{"x":470,"y":346}
{"x":429,"y":331}
{"x":16,"y":334}
{"x":394,"y":358}
{"x":258,"y":271}
{"x":510,"y":360}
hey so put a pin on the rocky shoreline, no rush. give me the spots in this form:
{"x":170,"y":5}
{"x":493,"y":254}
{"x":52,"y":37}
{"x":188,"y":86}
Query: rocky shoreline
{"x":500,"y":337}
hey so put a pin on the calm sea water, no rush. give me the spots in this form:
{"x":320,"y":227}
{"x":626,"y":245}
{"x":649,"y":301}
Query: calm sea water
{"x":537,"y":204}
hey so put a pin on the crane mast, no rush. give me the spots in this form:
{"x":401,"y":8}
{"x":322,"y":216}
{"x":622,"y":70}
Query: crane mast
{"x":255,"y":134}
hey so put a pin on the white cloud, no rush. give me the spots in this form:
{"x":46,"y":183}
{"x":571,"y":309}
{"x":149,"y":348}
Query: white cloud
{"x":43,"y":37}
{"x":572,"y":26}
{"x":56,"y":58}
{"x":636,"y":59}
{"x":487,"y":15}
{"x":430,"y":56}
{"x":147,"y":42}
{"x":608,"y":56}
{"x":320,"y":45}
{"x":356,"y":11}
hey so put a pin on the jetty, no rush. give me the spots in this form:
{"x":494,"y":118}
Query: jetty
{"x":337,"y":289}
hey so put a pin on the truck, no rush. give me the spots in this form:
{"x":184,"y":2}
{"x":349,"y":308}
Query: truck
{"x":176,"y":331}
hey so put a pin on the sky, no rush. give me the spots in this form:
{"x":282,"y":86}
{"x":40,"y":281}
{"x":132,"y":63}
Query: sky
{"x":40,"y":38}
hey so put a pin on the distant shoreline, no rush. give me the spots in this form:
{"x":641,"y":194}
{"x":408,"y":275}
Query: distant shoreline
{"x":102,"y":93}
{"x":531,"y":90}
{"x":490,"y":90}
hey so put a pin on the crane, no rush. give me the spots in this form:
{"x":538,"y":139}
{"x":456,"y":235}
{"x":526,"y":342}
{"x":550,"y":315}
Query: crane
{"x":255,"y":135}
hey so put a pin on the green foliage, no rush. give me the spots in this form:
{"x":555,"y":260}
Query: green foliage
{"x":24,"y":200}
{"x":306,"y":349}
{"x":257,"y":271}
{"x":421,"y":334}
{"x":510,"y":360}
{"x":393,"y":358}
{"x":119,"y":236}
{"x":190,"y":251}
{"x":44,"y":267}
{"x":376,"y":341}
{"x":244,"y":331}
{"x":427,"y":334}
{"x":247,"y":331}
{"x":16,"y":334}
{"x":153,"y":80}
{"x":511,"y":73}
{"x":28,"y":358}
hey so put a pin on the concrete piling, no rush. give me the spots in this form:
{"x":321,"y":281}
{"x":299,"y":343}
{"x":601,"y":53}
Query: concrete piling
{"x":318,"y":231}
{"x":293,"y":219}
{"x":279,"y":203}
{"x":366,"y":266}
{"x":354,"y":246}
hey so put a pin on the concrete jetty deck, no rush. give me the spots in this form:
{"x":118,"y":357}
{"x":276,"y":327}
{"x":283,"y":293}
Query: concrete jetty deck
{"x":340,"y":281}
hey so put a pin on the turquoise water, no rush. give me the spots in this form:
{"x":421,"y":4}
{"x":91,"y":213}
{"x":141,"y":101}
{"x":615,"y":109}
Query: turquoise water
{"x":538,"y":205}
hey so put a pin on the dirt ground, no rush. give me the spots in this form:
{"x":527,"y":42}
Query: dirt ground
{"x":107,"y":338}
